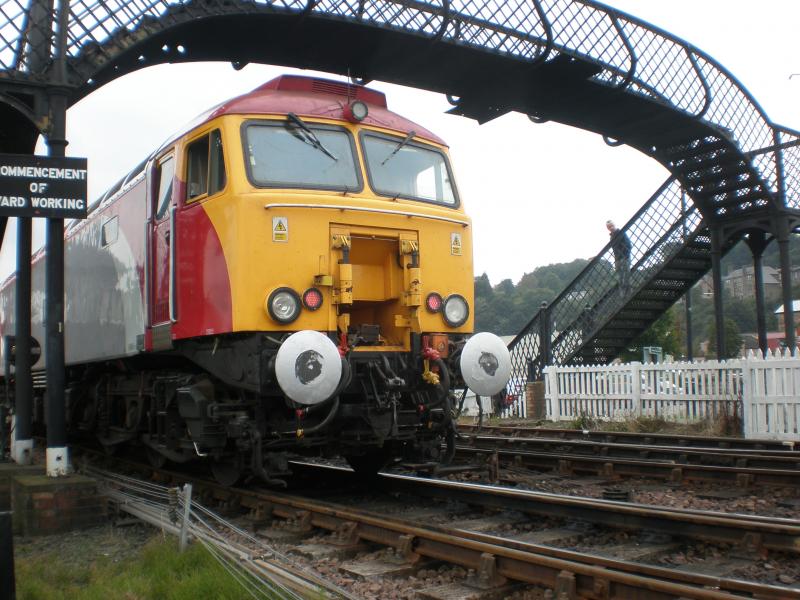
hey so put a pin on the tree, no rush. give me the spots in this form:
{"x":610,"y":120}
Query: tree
{"x":664,"y":332}
{"x":483,"y":287}
{"x":733,"y":341}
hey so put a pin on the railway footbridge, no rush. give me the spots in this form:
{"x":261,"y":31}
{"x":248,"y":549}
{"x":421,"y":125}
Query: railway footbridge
{"x":734,"y":173}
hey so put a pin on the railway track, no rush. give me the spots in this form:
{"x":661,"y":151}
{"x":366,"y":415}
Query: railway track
{"x":674,"y":464}
{"x":746,"y":530}
{"x":397,"y":521}
{"x":641,"y":439}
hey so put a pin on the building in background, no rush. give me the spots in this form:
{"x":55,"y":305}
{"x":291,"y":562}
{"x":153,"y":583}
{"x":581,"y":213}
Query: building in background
{"x":740,"y":283}
{"x":779,"y":312}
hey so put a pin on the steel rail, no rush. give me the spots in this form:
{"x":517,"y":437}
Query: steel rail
{"x":615,"y":466}
{"x":723,"y":456}
{"x":735,"y":528}
{"x":657,"y":439}
{"x":588,"y":575}
{"x":520,"y":561}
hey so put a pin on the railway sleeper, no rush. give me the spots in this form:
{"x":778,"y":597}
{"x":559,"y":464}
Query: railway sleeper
{"x":483,"y":554}
{"x":566,"y":587}
{"x":486,"y":577}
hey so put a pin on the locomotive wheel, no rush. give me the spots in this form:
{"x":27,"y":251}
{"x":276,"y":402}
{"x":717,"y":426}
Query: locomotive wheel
{"x":368,"y":465}
{"x":227,"y":471}
{"x":155,"y":458}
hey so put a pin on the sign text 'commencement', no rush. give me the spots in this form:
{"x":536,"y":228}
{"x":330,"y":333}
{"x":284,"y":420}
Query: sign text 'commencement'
{"x":40,"y":186}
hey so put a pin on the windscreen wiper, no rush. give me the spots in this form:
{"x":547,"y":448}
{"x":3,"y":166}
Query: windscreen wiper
{"x":311,"y":138}
{"x":402,"y":143}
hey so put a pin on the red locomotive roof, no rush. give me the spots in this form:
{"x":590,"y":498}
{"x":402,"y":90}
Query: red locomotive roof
{"x":314,"y":97}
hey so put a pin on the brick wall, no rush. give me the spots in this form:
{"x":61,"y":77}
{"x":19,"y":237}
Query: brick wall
{"x":7,"y":473}
{"x":45,"y":505}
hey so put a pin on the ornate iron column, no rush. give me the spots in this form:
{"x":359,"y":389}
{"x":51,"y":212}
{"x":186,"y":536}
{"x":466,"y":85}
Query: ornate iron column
{"x":57,"y":453}
{"x":689,"y":338}
{"x":716,"y":271}
{"x":544,"y":341}
{"x":687,"y":297}
{"x":757,"y":241}
{"x":35,"y":47}
{"x":783,"y":234}
{"x":21,"y":450}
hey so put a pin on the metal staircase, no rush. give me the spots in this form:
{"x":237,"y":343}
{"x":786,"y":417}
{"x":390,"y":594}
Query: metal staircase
{"x":593,"y":319}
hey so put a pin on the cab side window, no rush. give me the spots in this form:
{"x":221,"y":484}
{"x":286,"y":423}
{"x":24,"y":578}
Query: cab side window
{"x":205,"y":166}
{"x":166,"y":171}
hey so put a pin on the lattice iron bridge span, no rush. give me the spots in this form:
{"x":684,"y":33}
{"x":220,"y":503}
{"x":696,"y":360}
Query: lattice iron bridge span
{"x":735,"y":174}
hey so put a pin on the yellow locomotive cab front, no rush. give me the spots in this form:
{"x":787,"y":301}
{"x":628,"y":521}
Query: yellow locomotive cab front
{"x":373,"y":260}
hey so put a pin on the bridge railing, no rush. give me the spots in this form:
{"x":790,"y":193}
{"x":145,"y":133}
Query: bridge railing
{"x":788,"y":157}
{"x":630,"y":54}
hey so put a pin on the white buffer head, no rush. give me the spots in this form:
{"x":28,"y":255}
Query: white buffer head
{"x":485,"y":364}
{"x":308,"y":367}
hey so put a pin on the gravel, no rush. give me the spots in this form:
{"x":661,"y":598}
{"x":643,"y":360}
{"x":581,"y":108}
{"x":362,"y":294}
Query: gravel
{"x":82,"y":548}
{"x":757,"y":500}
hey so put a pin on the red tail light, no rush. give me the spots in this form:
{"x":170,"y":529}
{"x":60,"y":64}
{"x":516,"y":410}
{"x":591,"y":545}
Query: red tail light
{"x":312,"y":298}
{"x":434,"y":302}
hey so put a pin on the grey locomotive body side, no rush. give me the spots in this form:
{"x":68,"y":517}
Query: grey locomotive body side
{"x":103,"y":272}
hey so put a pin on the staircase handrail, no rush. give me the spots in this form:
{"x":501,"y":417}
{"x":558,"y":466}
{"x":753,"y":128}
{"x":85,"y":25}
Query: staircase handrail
{"x":603,"y":319}
{"x":570,"y":288}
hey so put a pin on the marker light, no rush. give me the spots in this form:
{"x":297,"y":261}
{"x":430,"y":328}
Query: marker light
{"x":434,"y":302}
{"x":312,"y":298}
{"x":283,"y":305}
{"x":356,"y":111}
{"x":456,"y":310}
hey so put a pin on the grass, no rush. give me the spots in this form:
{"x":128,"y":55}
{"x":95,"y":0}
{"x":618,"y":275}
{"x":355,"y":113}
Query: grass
{"x":727,"y":424}
{"x":157,"y":572}
{"x":724,"y":424}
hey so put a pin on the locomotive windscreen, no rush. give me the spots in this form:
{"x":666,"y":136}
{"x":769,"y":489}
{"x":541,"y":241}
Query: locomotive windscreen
{"x":281,"y":155}
{"x":404,"y":170}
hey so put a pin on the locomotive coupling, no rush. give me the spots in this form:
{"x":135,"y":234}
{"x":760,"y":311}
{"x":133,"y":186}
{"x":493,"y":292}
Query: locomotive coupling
{"x":485,"y":364}
{"x":308,"y":367}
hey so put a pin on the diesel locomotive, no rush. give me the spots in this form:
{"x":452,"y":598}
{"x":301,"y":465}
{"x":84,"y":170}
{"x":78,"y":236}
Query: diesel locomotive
{"x":292,"y":273}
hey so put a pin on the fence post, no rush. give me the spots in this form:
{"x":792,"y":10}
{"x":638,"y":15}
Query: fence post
{"x":552,"y":392}
{"x":636,"y":388}
{"x":747,"y":395}
{"x":187,"y":508}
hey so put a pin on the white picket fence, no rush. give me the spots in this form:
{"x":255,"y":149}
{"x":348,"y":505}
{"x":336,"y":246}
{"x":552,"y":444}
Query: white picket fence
{"x":772,"y":396}
{"x":764,"y":390}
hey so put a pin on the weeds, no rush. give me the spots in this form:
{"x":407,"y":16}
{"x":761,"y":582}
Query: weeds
{"x":727,"y":423}
{"x":584,"y":421}
{"x":159,"y":572}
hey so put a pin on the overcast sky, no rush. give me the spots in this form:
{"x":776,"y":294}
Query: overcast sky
{"x":538,"y":194}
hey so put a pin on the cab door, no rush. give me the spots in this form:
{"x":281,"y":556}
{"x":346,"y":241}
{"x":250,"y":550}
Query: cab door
{"x":162,"y":246}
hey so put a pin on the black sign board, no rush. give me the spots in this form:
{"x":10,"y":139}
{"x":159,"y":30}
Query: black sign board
{"x":10,"y":349}
{"x":40,"y":186}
